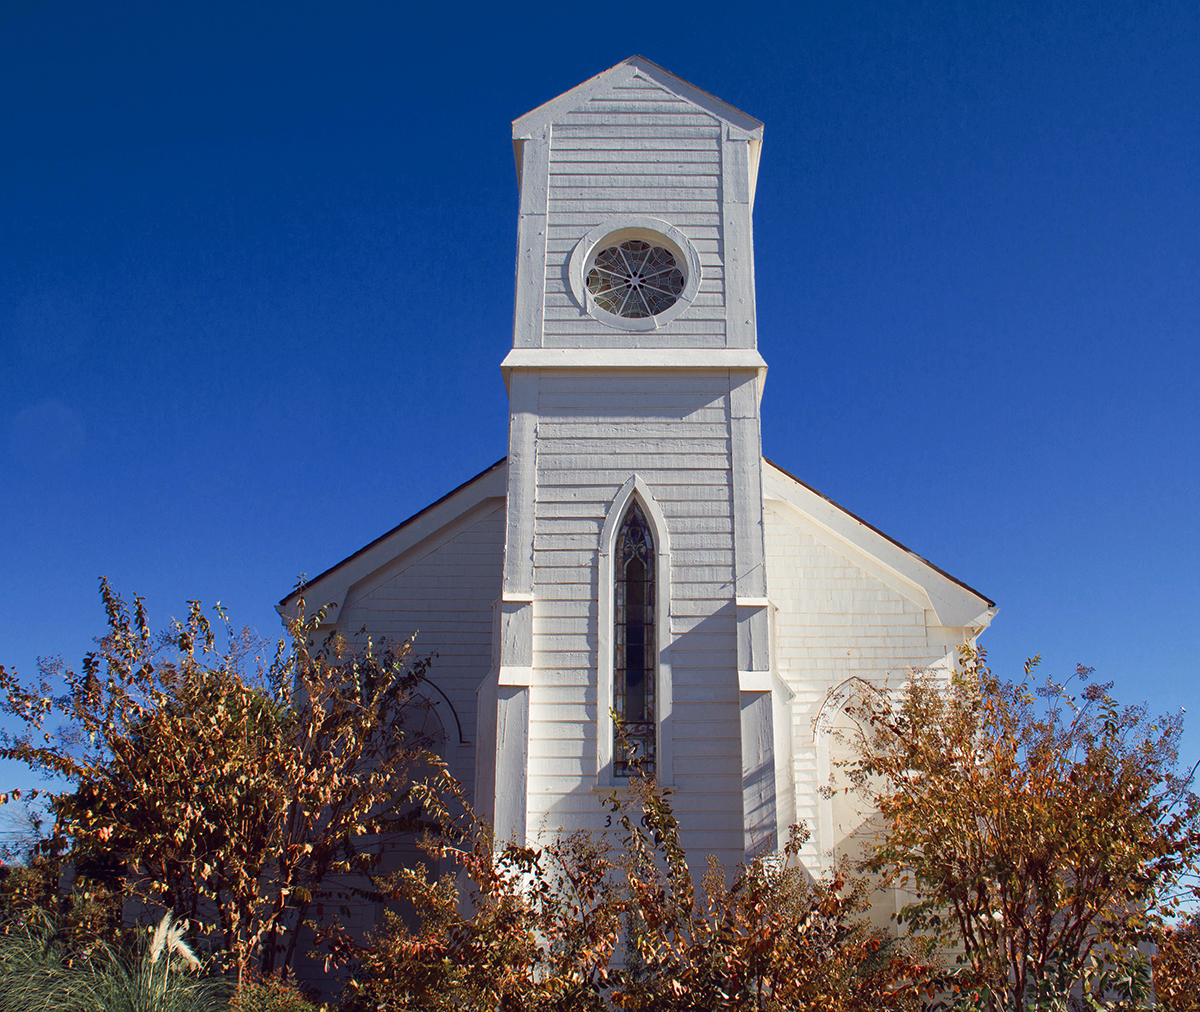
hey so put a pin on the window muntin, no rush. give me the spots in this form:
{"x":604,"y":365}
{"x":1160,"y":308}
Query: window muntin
{"x":635,"y":651}
{"x":635,"y":279}
{"x":604,"y":297}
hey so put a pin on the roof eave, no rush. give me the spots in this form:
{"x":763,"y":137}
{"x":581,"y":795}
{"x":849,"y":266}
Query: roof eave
{"x":537,"y":119}
{"x":309,"y":585}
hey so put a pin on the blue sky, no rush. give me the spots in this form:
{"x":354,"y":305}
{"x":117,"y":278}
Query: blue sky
{"x":256,"y":282}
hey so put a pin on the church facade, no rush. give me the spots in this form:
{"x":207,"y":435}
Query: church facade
{"x":634,"y":585}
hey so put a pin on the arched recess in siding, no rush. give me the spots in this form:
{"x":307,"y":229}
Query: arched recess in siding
{"x":847,"y":825}
{"x":634,"y":489}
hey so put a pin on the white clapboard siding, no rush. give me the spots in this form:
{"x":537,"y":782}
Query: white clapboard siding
{"x":834,"y":621}
{"x":594,"y":430}
{"x":640,"y":151}
{"x":442,"y":590}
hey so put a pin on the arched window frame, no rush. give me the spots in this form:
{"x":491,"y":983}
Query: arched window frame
{"x":634,"y":489}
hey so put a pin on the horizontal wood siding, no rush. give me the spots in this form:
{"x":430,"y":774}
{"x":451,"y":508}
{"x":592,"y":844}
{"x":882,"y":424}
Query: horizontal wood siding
{"x":442,"y":590}
{"x":636,"y":149}
{"x":594,"y":431}
{"x":834,"y":621}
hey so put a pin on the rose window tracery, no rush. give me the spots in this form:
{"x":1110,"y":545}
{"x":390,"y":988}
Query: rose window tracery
{"x":635,"y":279}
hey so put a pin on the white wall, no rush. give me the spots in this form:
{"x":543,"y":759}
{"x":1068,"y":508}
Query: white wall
{"x":835,"y":620}
{"x":442,"y":589}
{"x":635,"y":149}
{"x":594,"y":431}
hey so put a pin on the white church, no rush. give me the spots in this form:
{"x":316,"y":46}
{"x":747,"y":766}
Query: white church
{"x":635,"y":554}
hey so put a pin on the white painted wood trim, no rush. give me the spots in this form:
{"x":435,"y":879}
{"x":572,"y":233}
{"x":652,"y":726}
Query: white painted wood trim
{"x":749,"y":544}
{"x":617,"y":230}
{"x":738,"y":241}
{"x":515,"y":673}
{"x":522,"y":487}
{"x":755,"y":681}
{"x":902,"y":570}
{"x":755,"y":144}
{"x":512,"y":763}
{"x":530,"y":299}
{"x":486,"y":716}
{"x":634,"y":487}
{"x":578,"y":96}
{"x":333,"y":585}
{"x":760,"y":809}
{"x":738,"y":359}
{"x":635,"y":359}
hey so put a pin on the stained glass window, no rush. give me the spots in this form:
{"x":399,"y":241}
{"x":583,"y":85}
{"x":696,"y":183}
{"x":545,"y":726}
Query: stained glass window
{"x":635,"y":279}
{"x":635,"y":661}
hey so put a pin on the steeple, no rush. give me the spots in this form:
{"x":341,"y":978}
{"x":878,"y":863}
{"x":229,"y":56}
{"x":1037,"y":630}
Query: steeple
{"x":634,"y":383}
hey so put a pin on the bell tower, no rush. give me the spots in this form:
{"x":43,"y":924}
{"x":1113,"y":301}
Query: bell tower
{"x":633,"y":629}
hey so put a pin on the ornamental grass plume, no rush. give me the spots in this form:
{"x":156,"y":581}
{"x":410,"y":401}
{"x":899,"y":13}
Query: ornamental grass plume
{"x":39,"y":974}
{"x":168,"y":939}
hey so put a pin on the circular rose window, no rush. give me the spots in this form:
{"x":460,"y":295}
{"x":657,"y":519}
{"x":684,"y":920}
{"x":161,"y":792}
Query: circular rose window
{"x":635,"y":279}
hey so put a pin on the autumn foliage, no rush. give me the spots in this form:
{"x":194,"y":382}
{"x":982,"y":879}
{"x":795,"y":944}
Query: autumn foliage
{"x":769,"y":938}
{"x":217,"y":784}
{"x":1177,"y":967}
{"x":1045,"y":836}
{"x":1045,"y":833}
{"x":576,"y":924}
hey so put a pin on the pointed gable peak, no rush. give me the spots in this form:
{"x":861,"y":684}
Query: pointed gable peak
{"x":625,"y":71}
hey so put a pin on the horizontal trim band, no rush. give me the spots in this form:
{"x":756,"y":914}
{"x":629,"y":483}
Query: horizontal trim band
{"x":633,"y":358}
{"x":514,"y":674}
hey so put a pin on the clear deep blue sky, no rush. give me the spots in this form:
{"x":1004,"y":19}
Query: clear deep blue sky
{"x":256,"y":279}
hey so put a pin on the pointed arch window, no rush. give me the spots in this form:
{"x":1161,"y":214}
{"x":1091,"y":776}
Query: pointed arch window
{"x":635,"y":647}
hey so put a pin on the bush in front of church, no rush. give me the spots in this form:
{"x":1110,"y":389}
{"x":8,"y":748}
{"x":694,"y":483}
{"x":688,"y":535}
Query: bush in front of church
{"x":514,"y":928}
{"x":575,"y":926}
{"x":768,"y":938}
{"x":206,"y":779}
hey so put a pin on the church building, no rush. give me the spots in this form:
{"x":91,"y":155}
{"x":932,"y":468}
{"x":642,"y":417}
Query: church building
{"x":634,"y":583}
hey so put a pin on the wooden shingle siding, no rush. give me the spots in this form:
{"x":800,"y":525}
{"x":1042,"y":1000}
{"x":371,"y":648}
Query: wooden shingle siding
{"x":588,"y":144}
{"x":834,"y":621}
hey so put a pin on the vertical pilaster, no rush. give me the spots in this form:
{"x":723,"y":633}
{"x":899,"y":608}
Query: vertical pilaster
{"x":530,"y":303}
{"x":738,"y":239}
{"x":516,"y":615}
{"x":755,"y":683}
{"x":759,"y":808}
{"x":748,"y":531}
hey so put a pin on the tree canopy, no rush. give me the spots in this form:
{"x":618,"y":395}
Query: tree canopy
{"x":1045,"y":830}
{"x":225,"y":785}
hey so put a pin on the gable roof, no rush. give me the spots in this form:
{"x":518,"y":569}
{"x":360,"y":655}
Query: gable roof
{"x":568,"y":101}
{"x":954,"y":602}
{"x":489,"y":483}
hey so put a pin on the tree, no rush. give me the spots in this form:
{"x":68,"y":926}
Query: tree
{"x":1177,"y":967}
{"x":209,"y":781}
{"x":1043,"y":832}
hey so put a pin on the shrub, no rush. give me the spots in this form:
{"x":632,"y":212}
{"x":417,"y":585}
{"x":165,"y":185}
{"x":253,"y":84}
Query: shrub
{"x":1045,"y":833}
{"x":270,"y":994}
{"x":232,"y":790}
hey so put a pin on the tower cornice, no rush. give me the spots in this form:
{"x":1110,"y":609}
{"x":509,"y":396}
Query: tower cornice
{"x":635,"y":359}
